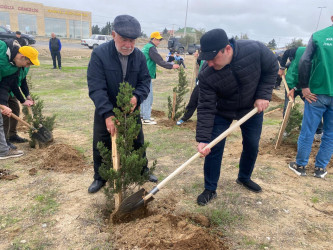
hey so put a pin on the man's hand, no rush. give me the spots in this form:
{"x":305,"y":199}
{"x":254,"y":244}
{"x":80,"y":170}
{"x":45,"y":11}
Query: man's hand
{"x":281,"y":72}
{"x":175,"y":66}
{"x":308,"y":95}
{"x":6,"y":111}
{"x":201,"y":149}
{"x":110,"y":127}
{"x":292,"y":93}
{"x":261,"y":104}
{"x":28,"y":103}
{"x":134,"y":102}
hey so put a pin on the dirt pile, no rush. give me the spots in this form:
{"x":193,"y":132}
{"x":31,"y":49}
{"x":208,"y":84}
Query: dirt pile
{"x":275,"y":98}
{"x":157,"y":113}
{"x":5,"y":175}
{"x":62,"y":158}
{"x":163,"y":228}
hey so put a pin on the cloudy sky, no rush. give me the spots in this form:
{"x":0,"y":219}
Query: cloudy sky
{"x":261,"y":20}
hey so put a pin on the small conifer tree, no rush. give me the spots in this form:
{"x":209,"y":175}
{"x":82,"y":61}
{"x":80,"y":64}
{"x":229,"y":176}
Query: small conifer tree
{"x":180,"y":90}
{"x":131,"y":161}
{"x":37,"y":118}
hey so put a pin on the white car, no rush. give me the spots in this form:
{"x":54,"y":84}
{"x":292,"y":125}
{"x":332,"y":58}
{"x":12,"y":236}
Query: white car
{"x":95,"y":40}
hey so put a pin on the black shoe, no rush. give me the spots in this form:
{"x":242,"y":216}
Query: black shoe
{"x":299,"y":170}
{"x":95,"y":186}
{"x":320,"y":172}
{"x":250,"y":185}
{"x":54,"y":68}
{"x":17,"y":139}
{"x":11,"y":145}
{"x":153,"y":178}
{"x":205,"y":197}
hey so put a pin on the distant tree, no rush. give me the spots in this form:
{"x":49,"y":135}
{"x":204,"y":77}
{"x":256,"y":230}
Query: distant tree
{"x":165,"y":31}
{"x":244,"y":37}
{"x":199,"y":34}
{"x":107,"y":29}
{"x":143,"y":35}
{"x":187,"y":39}
{"x":95,"y":29}
{"x":272,"y":44}
{"x":295,"y":43}
{"x":236,"y":37}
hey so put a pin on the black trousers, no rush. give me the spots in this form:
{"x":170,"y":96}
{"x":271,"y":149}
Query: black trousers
{"x":101,"y":134}
{"x":10,"y":124}
{"x":56,"y":56}
{"x":192,"y":104}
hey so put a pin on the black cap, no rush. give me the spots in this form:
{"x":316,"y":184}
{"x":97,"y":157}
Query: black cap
{"x":18,"y":32}
{"x":211,"y":43}
{"x":127,"y":26}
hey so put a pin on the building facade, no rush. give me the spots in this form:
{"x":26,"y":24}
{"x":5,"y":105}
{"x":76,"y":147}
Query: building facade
{"x":40,"y":20}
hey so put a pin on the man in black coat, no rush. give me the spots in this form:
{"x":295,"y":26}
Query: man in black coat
{"x":111,"y":64}
{"x":240,"y":76}
{"x":55,"y":48}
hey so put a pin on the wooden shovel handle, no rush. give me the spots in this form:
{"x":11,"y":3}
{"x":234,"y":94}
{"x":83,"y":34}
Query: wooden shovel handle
{"x":210,"y":145}
{"x":19,"y":119}
{"x":116,"y":166}
{"x":286,"y":87}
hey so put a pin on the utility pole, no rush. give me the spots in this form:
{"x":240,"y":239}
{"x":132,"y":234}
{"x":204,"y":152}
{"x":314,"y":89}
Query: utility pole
{"x":321,"y":8}
{"x":185,"y":18}
{"x":81,"y":26}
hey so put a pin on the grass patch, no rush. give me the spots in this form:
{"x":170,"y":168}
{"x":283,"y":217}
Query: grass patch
{"x":271,"y":122}
{"x":46,"y":203}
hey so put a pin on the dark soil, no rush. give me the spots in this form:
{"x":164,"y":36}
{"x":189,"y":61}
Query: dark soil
{"x":157,"y":114}
{"x":5,"y":175}
{"x":275,"y":98}
{"x":62,"y":158}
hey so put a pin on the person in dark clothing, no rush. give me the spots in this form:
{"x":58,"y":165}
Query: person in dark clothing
{"x":153,"y":58}
{"x":21,"y":41}
{"x":278,"y":78}
{"x":171,"y":57}
{"x":239,"y":76}
{"x":55,"y":48}
{"x":112,"y":63}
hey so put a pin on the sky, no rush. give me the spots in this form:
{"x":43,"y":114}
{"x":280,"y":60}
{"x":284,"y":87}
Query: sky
{"x":261,"y":20}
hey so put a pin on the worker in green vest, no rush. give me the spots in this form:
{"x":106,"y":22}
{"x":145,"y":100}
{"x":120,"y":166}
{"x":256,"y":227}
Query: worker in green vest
{"x":12,"y":58}
{"x":153,"y":58}
{"x":316,"y":81}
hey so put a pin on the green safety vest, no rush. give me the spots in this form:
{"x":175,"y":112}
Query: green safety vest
{"x":150,"y":63}
{"x":6,"y":68}
{"x":292,"y":72}
{"x":321,"y":80}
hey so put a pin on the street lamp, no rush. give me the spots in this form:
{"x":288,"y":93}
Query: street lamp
{"x":185,"y":18}
{"x":321,"y":8}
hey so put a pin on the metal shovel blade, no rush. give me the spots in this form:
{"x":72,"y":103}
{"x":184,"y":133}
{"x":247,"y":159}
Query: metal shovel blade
{"x":132,"y":202}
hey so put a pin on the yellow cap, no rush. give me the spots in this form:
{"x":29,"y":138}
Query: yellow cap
{"x":31,"y":53}
{"x":156,"y":35}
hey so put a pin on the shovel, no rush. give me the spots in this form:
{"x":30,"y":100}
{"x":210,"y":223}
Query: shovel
{"x":41,"y":134}
{"x":141,"y":198}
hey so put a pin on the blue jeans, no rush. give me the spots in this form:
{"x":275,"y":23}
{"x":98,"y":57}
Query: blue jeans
{"x":313,"y":113}
{"x":145,"y":107}
{"x":251,"y":131}
{"x":3,"y":144}
{"x":299,"y":93}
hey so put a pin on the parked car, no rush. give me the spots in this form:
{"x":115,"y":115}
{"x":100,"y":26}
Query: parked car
{"x":192,"y":48}
{"x":7,"y":34}
{"x":174,"y":45}
{"x":95,"y":40}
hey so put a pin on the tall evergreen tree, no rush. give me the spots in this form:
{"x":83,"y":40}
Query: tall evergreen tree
{"x":272,"y":44}
{"x":95,"y":29}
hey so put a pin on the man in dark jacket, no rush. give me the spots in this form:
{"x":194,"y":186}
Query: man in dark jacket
{"x":240,"y":76}
{"x":55,"y":48}
{"x":21,"y":41}
{"x":111,"y":64}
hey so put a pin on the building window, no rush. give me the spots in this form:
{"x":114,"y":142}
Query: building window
{"x":55,"y":25}
{"x":75,"y":29}
{"x":4,"y":19}
{"x":27,"y":23}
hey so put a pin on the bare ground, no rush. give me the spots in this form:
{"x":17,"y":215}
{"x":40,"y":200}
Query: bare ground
{"x":49,"y":208}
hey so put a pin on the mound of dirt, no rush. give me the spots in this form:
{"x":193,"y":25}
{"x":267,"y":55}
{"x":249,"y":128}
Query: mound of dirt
{"x":5,"y":175}
{"x":62,"y":158}
{"x":275,"y":98}
{"x":157,"y":113}
{"x":162,"y":228}
{"x":192,"y":125}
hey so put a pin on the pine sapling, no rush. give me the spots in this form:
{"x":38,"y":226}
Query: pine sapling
{"x":132,"y":161}
{"x":180,"y":90}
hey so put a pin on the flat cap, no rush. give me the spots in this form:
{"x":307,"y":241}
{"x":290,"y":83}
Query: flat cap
{"x":127,"y":26}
